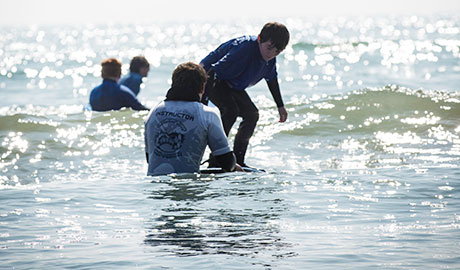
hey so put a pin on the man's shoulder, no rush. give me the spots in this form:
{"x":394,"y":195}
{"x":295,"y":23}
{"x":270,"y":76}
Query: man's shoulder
{"x":103,"y":87}
{"x":211,"y":113}
{"x":210,"y":109}
{"x":135,"y":76}
{"x":177,"y":106}
{"x":123,"y":79}
{"x":132,"y":76}
{"x":192,"y":106}
{"x":97,"y":87}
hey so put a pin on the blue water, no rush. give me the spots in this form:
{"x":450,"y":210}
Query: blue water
{"x":363,"y":175}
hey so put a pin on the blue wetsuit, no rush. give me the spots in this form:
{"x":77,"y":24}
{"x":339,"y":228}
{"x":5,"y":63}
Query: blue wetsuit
{"x":111,"y":96}
{"x":133,"y":81}
{"x":238,"y":64}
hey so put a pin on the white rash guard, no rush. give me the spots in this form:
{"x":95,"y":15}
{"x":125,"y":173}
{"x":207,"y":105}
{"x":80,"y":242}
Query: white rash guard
{"x":177,"y":133}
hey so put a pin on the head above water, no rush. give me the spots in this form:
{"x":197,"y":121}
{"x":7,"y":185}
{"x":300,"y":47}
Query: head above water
{"x":190,"y":77}
{"x":111,"y":69}
{"x":273,"y":38}
{"x":275,"y":32}
{"x":139,"y":64}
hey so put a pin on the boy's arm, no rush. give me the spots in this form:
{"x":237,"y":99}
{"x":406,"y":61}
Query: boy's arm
{"x":131,"y":99}
{"x":210,"y":59}
{"x":228,"y":60}
{"x":274,"y":87}
{"x":215,"y":56}
{"x":136,"y":105}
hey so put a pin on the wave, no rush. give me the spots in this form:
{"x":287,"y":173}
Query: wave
{"x":384,"y":127}
{"x":39,"y":143}
{"x":391,"y":108}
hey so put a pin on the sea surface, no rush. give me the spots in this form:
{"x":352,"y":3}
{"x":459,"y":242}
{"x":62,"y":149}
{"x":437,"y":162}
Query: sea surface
{"x":365,"y":174}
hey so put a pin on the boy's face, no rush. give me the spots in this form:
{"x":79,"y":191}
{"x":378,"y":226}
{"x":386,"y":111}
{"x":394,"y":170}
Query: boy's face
{"x":268,"y":50}
{"x":144,"y":71}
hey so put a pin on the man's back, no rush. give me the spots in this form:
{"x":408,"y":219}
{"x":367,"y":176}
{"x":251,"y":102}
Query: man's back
{"x":111,"y":96}
{"x":176,"y":136}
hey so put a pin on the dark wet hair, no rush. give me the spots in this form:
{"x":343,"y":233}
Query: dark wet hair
{"x":137,"y":63}
{"x":275,"y":32}
{"x":111,"y":68}
{"x":189,"y":76}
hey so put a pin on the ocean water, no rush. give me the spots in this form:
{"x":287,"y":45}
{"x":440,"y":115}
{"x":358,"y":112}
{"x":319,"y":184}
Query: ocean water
{"x":365,"y":174}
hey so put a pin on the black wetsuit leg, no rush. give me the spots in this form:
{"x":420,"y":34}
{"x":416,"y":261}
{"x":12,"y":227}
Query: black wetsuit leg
{"x":233,"y":103}
{"x":250,"y":115}
{"x":222,"y":96}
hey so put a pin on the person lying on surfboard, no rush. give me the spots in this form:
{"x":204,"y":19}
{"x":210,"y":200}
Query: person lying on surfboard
{"x":236,"y":65}
{"x":179,"y":128}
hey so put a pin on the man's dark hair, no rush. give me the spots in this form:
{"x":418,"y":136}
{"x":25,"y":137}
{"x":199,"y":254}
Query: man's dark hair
{"x":111,"y":68}
{"x":275,"y":32}
{"x":189,"y":75}
{"x":137,"y":63}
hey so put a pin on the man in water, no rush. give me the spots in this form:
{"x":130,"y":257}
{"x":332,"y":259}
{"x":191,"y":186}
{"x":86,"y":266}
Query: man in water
{"x":109,"y":95}
{"x":138,"y":69}
{"x":238,"y":64}
{"x":178,"y":129}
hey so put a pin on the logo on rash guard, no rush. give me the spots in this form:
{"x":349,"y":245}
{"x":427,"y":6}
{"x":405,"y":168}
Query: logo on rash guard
{"x":170,"y":138}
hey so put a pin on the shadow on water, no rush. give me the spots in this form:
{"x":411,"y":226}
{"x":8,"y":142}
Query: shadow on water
{"x":228,"y":215}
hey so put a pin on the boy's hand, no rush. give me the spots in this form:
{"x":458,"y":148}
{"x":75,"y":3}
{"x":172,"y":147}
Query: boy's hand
{"x":283,"y":114}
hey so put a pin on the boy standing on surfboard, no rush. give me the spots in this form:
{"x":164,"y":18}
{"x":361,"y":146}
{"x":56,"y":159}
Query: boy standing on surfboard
{"x":178,"y":129}
{"x":238,"y":64}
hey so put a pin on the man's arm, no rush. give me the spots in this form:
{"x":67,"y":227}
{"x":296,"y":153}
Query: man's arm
{"x":274,"y":87}
{"x":227,"y":161}
{"x":146,"y":143}
{"x":218,"y":143}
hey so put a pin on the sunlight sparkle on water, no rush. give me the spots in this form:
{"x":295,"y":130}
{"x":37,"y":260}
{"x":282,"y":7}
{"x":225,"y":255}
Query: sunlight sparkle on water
{"x":389,"y":138}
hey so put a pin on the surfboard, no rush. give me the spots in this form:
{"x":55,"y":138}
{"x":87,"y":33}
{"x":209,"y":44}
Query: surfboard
{"x":220,"y":170}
